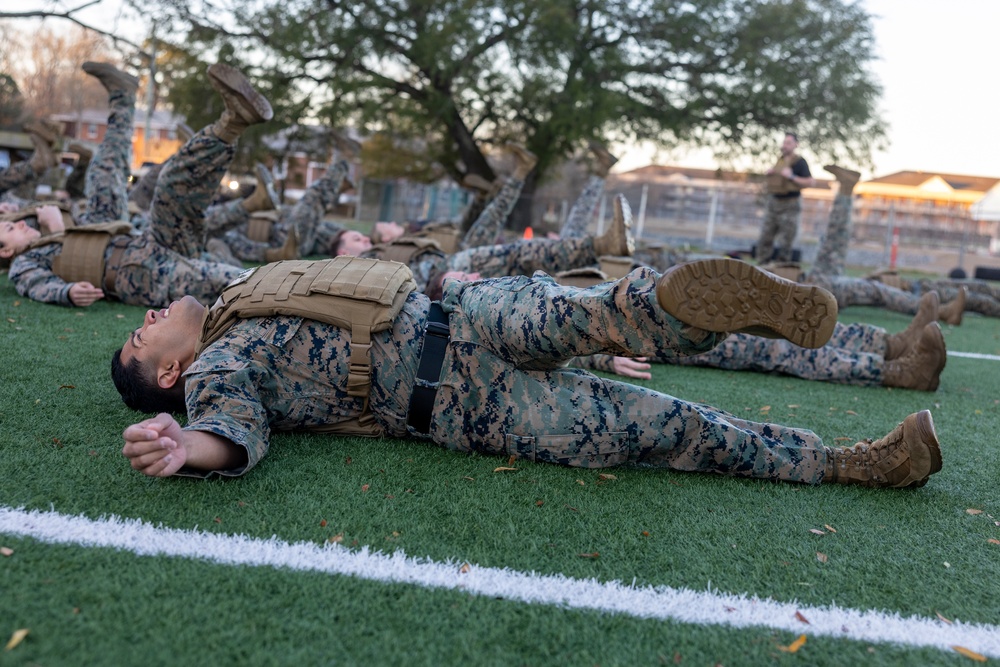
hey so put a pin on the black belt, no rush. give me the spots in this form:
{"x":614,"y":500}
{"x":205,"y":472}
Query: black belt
{"x":114,"y":262}
{"x":436,"y":337}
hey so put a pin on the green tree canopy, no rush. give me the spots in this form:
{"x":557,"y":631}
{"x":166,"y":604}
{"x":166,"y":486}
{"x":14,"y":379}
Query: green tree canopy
{"x":729,"y":74}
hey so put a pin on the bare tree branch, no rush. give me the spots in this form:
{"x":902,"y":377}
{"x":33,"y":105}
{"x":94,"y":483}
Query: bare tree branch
{"x":68,"y":15}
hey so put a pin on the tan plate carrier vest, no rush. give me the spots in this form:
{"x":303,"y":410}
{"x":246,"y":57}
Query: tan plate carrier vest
{"x":404,"y":250}
{"x":32,"y":211}
{"x":360,"y":295}
{"x":260,"y":225}
{"x":778,"y":184}
{"x":445,"y":234}
{"x":82,"y":256}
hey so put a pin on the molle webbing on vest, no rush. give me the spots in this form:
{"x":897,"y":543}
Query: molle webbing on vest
{"x":404,"y":250}
{"x":778,"y":184}
{"x":360,"y":295}
{"x":82,"y":256}
{"x":260,"y":225}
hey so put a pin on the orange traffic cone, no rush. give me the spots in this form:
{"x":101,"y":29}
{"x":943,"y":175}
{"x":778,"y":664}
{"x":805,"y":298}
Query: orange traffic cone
{"x":528,"y":234}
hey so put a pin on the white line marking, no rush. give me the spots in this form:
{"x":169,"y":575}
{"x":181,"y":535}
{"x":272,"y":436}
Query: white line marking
{"x":974,"y":355}
{"x":662,"y":602}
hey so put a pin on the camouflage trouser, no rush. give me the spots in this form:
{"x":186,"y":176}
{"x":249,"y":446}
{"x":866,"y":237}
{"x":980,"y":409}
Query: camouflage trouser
{"x":107,"y":174}
{"x":487,"y":227}
{"x":306,"y":216}
{"x":15,"y":175}
{"x":503,"y":390}
{"x":222,"y":218}
{"x":982,"y":287}
{"x":525,"y":257}
{"x":76,"y":182}
{"x":865,"y":292}
{"x":832,"y":253}
{"x":854,"y":355}
{"x":583,"y":209}
{"x":161,"y":265}
{"x":982,"y":304}
{"x":781,"y":222}
{"x":141,"y":193}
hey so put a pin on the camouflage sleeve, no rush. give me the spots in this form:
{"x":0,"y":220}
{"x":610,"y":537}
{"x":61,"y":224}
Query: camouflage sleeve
{"x":595,"y":362}
{"x":224,"y":400}
{"x":31,"y":273}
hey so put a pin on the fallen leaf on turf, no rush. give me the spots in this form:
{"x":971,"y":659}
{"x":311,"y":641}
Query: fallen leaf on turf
{"x":591,"y":555}
{"x":6,"y":551}
{"x":942,"y":617}
{"x":337,"y":539}
{"x":645,"y":533}
{"x":120,"y":316}
{"x":972,"y":511}
{"x":67,"y":386}
{"x":801,"y":618}
{"x":821,"y":557}
{"x":471,"y":479}
{"x":17,"y":638}
{"x":364,"y":488}
{"x":581,"y":482}
{"x":794,"y":646}
{"x":971,"y":655}
{"x":465,"y":569}
{"x":510,"y":461}
{"x":504,"y":469}
{"x":570,"y":507}
{"x":766,"y":408}
{"x":830,"y":528}
{"x":793,"y":406}
{"x":816,"y":531}
{"x":605,"y":475}
{"x":946,"y":564}
{"x":677,"y":658}
{"x":842,"y":439}
{"x":851,"y":412}
{"x":347,"y":461}
{"x":322,"y":523}
{"x":993,"y":541}
{"x":11,"y":320}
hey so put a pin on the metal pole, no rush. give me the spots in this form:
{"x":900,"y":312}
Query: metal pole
{"x":642,"y":212}
{"x":150,"y":94}
{"x":888,"y":233}
{"x":965,"y":241}
{"x":712,"y":211}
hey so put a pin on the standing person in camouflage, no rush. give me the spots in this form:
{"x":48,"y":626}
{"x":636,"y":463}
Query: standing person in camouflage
{"x":430,"y":266}
{"x":159,"y":264}
{"x":785,"y":181}
{"x":857,"y":354}
{"x":498,"y":386}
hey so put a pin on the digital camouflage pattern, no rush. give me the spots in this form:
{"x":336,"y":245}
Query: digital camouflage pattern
{"x":306,"y":217}
{"x":503,"y":389}
{"x":490,"y":223}
{"x":16,"y":175}
{"x":781,"y":223}
{"x":160,"y":264}
{"x":582,"y":212}
{"x":833,"y":244}
{"x":108,"y":172}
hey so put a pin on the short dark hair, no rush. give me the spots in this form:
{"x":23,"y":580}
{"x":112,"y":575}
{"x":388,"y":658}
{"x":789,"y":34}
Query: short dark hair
{"x":793,"y":136}
{"x":139,"y":391}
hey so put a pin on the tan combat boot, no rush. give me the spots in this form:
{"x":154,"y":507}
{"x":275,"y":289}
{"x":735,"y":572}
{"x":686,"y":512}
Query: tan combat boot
{"x":524,"y":161}
{"x":921,"y":367}
{"x":259,"y":199}
{"x":244,"y":105}
{"x":951,"y":312}
{"x":899,"y":344}
{"x":289,"y":250}
{"x":112,"y":78}
{"x":618,"y":240}
{"x":43,"y":158}
{"x":904,"y":458}
{"x":603,"y":159}
{"x":724,"y":295}
{"x":847,"y":178}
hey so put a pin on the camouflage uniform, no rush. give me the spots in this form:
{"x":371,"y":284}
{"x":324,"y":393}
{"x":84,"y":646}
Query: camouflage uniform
{"x":502,"y":387}
{"x":832,"y":254}
{"x":582,"y":211}
{"x":781,"y":222}
{"x":306,"y":216}
{"x":157,"y":266}
{"x":489,"y":224}
{"x":16,"y":175}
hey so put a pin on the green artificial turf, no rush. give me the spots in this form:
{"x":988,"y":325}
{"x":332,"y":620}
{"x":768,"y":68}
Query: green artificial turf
{"x":916,"y":552}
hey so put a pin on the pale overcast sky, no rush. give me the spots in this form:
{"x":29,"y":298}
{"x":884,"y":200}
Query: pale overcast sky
{"x":941,"y":94}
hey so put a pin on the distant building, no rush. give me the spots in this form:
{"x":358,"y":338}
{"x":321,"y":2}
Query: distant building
{"x":90,"y":125}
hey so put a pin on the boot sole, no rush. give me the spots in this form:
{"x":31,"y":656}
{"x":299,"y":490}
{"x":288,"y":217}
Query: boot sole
{"x":224,"y":77}
{"x":920,"y":462}
{"x":726,"y":295}
{"x":623,"y":216}
{"x":111,"y":74}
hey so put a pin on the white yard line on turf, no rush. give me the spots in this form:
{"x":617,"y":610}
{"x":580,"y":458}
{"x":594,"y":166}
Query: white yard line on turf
{"x":974,"y":355}
{"x":662,"y":602}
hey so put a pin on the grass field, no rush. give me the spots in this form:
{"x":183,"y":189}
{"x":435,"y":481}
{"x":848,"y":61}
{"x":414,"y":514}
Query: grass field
{"x":286,"y":566}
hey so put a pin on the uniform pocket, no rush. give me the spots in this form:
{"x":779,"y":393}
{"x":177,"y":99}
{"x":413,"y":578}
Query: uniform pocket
{"x":573,"y":449}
